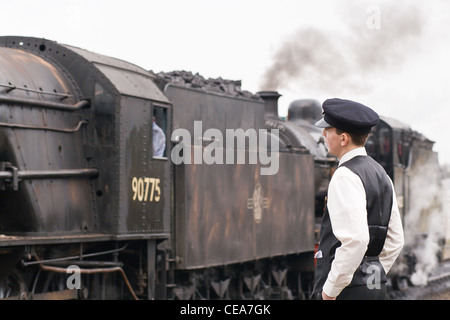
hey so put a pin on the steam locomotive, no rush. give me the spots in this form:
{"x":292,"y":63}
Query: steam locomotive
{"x":89,"y":211}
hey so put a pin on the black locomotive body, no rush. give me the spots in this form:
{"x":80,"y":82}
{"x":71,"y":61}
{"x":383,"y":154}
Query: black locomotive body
{"x":230,"y":210}
{"x":413,"y":166}
{"x":77,"y":162}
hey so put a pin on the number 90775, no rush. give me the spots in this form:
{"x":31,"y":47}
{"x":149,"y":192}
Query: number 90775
{"x":146,"y":189}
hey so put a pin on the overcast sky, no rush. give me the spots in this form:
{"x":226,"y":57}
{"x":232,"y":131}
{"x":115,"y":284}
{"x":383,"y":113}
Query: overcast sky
{"x":390,"y":55}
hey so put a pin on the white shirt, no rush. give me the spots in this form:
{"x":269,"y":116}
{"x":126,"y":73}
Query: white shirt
{"x":159,"y":141}
{"x":348,"y":215}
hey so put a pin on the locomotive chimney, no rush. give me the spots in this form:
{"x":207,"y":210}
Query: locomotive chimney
{"x":271,"y":103}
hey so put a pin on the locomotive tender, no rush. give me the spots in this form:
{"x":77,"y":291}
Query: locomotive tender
{"x":82,"y":192}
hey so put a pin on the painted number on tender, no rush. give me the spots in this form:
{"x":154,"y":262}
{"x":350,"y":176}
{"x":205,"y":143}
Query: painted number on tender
{"x":146,"y":189}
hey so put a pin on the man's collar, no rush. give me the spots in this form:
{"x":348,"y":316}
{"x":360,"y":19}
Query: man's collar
{"x":360,"y":151}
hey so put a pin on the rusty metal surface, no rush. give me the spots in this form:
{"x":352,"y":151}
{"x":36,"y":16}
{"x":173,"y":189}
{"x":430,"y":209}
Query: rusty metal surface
{"x":145,"y":182}
{"x":231,"y":213}
{"x":213,"y":110}
{"x":36,"y":206}
{"x":44,"y":88}
{"x":227,"y":214}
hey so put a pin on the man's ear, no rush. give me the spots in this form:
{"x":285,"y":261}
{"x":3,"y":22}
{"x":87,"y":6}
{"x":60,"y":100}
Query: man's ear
{"x":345,"y":139}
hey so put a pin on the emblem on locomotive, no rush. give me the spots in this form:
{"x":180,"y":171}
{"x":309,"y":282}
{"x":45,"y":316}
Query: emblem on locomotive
{"x":257,"y":202}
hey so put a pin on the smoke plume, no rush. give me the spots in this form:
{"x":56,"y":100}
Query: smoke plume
{"x":348,"y":57}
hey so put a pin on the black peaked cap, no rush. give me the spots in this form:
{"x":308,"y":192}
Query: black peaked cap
{"x":348,"y":116}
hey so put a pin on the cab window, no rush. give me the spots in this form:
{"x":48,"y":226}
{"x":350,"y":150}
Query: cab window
{"x":159,"y":132}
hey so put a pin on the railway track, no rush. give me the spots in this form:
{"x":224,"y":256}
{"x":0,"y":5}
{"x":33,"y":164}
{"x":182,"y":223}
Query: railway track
{"x":437,"y":288}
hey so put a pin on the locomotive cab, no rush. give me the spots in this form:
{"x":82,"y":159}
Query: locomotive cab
{"x":389,"y":144}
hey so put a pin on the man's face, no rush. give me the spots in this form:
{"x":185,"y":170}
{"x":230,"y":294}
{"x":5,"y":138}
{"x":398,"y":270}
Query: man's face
{"x":332,"y":140}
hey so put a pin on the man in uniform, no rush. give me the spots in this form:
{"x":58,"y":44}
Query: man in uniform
{"x":361,"y":234}
{"x":159,"y":140}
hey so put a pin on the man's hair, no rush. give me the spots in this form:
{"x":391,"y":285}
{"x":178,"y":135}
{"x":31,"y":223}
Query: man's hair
{"x":357,"y":139}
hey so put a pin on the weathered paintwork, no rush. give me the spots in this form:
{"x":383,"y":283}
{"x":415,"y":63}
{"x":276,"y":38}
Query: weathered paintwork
{"x":113,"y":136}
{"x":229,"y":213}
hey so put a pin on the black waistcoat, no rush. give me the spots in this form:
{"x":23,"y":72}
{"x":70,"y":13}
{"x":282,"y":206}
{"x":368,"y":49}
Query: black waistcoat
{"x":379,"y":198}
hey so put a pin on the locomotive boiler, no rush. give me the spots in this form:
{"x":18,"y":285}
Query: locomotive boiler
{"x":229,"y":210}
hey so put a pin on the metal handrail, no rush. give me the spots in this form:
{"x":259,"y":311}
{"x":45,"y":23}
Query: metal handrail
{"x":31,"y":127}
{"x":46,"y":104}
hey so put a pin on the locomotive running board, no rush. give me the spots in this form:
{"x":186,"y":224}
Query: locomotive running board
{"x":30,"y":239}
{"x":68,"y":294}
